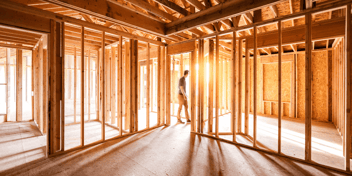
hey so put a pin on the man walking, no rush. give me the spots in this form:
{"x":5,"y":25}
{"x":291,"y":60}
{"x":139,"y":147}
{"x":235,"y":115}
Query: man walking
{"x":182,"y":97}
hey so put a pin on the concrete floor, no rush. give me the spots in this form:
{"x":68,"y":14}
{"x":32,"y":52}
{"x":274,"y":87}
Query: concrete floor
{"x":166,"y":151}
{"x":21,"y":143}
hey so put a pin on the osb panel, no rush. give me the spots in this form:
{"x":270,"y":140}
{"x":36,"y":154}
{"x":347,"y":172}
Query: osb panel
{"x":275,"y":109}
{"x":286,"y":109}
{"x":300,"y":86}
{"x":320,"y":44}
{"x":320,"y":86}
{"x":296,"y":8}
{"x":267,"y":108}
{"x":286,"y":81}
{"x":271,"y":81}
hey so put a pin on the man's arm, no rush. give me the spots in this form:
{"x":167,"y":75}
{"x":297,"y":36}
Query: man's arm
{"x":183,"y":93}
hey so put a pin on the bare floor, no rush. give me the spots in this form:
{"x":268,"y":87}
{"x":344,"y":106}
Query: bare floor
{"x":21,"y":143}
{"x":326,"y":142}
{"x":93,"y":129}
{"x":166,"y":151}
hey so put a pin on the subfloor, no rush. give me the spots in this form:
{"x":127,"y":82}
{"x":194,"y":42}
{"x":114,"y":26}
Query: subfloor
{"x":166,"y":151}
{"x":21,"y":144}
{"x":93,"y":128}
{"x":326,"y":141}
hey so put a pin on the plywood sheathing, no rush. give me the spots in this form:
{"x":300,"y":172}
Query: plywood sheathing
{"x":319,"y":86}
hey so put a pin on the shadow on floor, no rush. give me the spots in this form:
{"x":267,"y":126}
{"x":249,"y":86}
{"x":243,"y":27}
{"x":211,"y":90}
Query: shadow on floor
{"x":166,"y":151}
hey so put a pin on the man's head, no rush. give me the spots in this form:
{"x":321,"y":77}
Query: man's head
{"x":185,"y":73}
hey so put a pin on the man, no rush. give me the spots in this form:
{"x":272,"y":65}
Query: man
{"x":182,"y":97}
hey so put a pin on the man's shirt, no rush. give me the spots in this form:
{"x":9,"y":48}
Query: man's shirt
{"x":182,"y":82}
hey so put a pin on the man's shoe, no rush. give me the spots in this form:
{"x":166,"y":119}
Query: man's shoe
{"x":179,"y":121}
{"x":188,"y":120}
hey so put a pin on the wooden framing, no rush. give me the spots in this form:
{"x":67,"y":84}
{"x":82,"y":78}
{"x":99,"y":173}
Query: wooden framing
{"x":233,"y":88}
{"x":159,"y":98}
{"x":134,"y":86}
{"x":239,"y":87}
{"x":246,"y":95}
{"x":217,"y":71}
{"x":113,"y":85}
{"x":168,"y":88}
{"x":279,"y":85}
{"x":19,"y":93}
{"x":211,"y":86}
{"x":82,"y":86}
{"x":308,"y":87}
{"x":102,"y":76}
{"x":148,"y":86}
{"x":193,"y":62}
{"x":348,"y":89}
{"x":75,"y":85}
{"x":55,"y":85}
{"x":255,"y":88}
{"x":120,"y":87}
{"x":55,"y":68}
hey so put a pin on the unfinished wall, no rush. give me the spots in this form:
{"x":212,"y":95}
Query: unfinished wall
{"x":38,"y":110}
{"x":337,"y":86}
{"x":320,"y":87}
{"x":267,"y":85}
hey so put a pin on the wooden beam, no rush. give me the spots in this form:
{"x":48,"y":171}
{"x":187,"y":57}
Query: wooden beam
{"x":159,"y":83}
{"x":23,"y":20}
{"x":168,"y":87}
{"x":113,"y":85}
{"x":247,"y":88}
{"x":15,"y":46}
{"x":308,"y":88}
{"x":348,"y":89}
{"x":255,"y":87}
{"x":120,"y":86}
{"x":193,"y":63}
{"x":217,"y":80}
{"x":112,"y":12}
{"x":295,"y":35}
{"x":87,"y":18}
{"x":274,"y":10}
{"x":233,"y":87}
{"x":196,"y":4}
{"x":180,"y":48}
{"x":148,"y":86}
{"x":172,"y":6}
{"x":279,"y":85}
{"x":19,"y":93}
{"x":82,"y":87}
{"x":134,"y":86}
{"x":152,"y":9}
{"x":249,"y":17}
{"x":211,"y":86}
{"x":55,"y":87}
{"x":103,"y":87}
{"x":49,"y":15}
{"x":199,"y":102}
{"x":309,"y":4}
{"x":43,"y":83}
{"x":239,"y":87}
{"x":46,"y":94}
{"x":224,"y":11}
